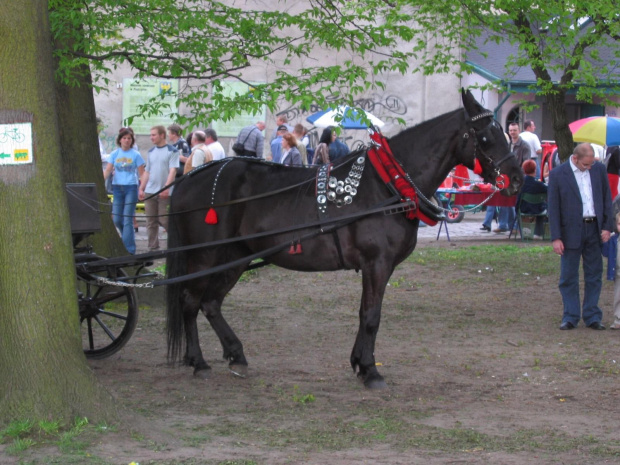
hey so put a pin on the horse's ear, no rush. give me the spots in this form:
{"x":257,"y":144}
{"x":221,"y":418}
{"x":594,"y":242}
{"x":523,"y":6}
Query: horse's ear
{"x":471,"y":105}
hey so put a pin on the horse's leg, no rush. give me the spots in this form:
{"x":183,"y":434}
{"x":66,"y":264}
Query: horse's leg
{"x":212,"y":307}
{"x":233,"y":349}
{"x":374,"y":281}
{"x":193,"y":354}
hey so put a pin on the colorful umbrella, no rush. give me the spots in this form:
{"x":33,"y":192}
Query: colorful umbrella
{"x":601,"y":130}
{"x":325,"y":118}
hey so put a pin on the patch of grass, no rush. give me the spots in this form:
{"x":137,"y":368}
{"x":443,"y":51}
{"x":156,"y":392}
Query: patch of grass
{"x":538,"y":260}
{"x":19,"y":445}
{"x":248,"y":276}
{"x":161,"y":269}
{"x":49,"y":427}
{"x":397,"y":282}
{"x":302,"y":398}
{"x":71,"y":441}
{"x":18,"y":428}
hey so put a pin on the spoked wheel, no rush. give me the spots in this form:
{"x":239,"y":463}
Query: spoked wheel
{"x":108,"y":314}
{"x":455,"y":214}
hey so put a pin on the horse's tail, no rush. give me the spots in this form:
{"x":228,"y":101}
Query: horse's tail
{"x":176,"y":265}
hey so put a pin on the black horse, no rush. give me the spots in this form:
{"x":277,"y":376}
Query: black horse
{"x":271,"y":207}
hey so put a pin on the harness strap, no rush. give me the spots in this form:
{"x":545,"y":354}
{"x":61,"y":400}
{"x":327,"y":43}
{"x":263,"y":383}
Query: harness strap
{"x":395,"y":177}
{"x":338,"y":248}
{"x":262,"y":254}
{"x":382,"y":207}
{"x":322,"y":177}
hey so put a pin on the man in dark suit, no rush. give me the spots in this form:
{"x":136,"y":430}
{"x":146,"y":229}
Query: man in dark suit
{"x":581,"y":219}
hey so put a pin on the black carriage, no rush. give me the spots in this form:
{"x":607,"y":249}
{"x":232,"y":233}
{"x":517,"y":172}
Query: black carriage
{"x":107,"y":299}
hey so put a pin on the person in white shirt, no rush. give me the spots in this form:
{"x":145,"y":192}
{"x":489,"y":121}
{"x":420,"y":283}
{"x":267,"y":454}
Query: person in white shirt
{"x":533,"y":141}
{"x":216,"y":149}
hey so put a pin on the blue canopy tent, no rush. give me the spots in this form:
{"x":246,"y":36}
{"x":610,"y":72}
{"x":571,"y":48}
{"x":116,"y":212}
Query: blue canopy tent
{"x":353,"y":120}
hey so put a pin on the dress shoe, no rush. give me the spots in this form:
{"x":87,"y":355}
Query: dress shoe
{"x":596,"y":325}
{"x":500,"y":230}
{"x":566,"y":326}
{"x":485,"y":228}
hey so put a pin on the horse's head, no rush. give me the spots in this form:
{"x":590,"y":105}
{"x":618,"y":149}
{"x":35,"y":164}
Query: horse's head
{"x":485,"y":150}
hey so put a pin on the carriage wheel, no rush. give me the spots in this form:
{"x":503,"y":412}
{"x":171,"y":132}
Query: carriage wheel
{"x":456,"y":214}
{"x":108,"y":314}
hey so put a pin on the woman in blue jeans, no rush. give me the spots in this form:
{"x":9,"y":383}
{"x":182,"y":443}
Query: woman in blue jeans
{"x":128,"y":167}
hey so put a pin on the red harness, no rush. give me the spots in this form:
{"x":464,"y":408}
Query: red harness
{"x":395,"y":177}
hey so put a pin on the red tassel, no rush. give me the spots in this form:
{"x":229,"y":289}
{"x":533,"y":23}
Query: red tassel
{"x":211,"y":217}
{"x":291,"y":251}
{"x":298,"y":248}
{"x":477,"y":167}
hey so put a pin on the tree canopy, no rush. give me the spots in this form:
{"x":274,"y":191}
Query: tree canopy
{"x":571,"y":47}
{"x":203,"y":43}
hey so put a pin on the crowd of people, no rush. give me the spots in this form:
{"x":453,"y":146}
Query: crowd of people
{"x":131,"y":178}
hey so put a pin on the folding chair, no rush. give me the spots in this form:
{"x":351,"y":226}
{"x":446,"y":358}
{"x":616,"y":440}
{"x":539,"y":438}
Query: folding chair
{"x":532,"y":199}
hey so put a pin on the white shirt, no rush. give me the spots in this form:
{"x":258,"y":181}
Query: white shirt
{"x":585,"y":189}
{"x":533,"y":141}
{"x":216,"y":150}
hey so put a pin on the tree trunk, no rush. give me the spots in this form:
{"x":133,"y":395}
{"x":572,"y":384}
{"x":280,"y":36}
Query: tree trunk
{"x":43,"y":371}
{"x":81,"y":160}
{"x":561,"y":132}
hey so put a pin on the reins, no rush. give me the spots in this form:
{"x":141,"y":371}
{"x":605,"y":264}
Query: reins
{"x":382,"y":207}
{"x":218,"y":205}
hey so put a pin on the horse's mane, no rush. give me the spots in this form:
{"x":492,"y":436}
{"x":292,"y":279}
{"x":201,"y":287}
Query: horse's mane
{"x":428,"y":126}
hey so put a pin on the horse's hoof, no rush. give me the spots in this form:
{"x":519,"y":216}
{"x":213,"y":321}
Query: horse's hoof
{"x":203,"y":373}
{"x":239,"y":370}
{"x":375,"y":383}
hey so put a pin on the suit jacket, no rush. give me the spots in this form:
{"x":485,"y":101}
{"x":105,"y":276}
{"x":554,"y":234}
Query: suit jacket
{"x":565,"y":208}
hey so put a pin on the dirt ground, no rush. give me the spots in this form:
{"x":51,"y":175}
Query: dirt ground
{"x":477,"y":370}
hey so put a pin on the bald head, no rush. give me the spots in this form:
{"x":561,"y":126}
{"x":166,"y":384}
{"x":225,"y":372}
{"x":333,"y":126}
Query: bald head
{"x":583,"y":156}
{"x":583,"y":150}
{"x":198,"y":137}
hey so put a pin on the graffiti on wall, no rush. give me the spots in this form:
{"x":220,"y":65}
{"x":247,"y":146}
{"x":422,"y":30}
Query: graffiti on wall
{"x":108,"y":141}
{"x":386,"y":108}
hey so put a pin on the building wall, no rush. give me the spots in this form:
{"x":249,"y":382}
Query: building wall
{"x":413,"y":98}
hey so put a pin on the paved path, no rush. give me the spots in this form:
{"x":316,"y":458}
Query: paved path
{"x":467,"y":229}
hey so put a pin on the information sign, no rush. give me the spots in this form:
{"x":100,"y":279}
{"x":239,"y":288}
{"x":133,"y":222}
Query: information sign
{"x":16,"y":144}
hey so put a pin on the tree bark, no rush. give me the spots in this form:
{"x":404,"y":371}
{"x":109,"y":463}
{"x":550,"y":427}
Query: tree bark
{"x":561,"y":132}
{"x":43,"y":371}
{"x":81,"y":160}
